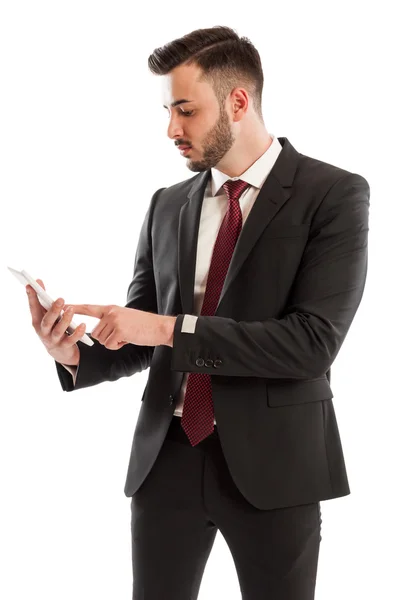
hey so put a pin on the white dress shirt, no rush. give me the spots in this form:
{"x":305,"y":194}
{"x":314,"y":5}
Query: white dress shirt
{"x":214,"y":207}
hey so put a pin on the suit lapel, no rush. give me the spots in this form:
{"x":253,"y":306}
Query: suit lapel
{"x":272,"y":196}
{"x":188,"y":230}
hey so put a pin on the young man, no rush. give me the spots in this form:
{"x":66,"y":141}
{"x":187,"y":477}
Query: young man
{"x":247,"y":278}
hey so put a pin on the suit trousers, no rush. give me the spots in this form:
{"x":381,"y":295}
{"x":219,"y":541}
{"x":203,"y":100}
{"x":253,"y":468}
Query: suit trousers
{"x":186,"y":498}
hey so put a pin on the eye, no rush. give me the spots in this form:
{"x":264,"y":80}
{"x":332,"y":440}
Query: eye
{"x":184,"y":113}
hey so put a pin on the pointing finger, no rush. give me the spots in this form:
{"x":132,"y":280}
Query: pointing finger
{"x":92,"y":310}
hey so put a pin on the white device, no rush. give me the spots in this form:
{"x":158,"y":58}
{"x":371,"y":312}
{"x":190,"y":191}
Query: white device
{"x":46,"y":301}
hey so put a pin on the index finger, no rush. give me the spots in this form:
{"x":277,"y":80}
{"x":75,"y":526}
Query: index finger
{"x":92,"y":310}
{"x":30,"y":290}
{"x":36,"y":309}
{"x":35,"y":304}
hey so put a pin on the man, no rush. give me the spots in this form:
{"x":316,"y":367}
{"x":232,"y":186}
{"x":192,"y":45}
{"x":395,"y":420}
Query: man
{"x":247,"y":278}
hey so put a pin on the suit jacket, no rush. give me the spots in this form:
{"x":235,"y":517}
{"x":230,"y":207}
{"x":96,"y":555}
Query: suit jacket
{"x":293,"y":286}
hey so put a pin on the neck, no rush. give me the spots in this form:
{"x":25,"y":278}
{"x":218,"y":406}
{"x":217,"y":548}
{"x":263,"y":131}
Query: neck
{"x":245,"y":151}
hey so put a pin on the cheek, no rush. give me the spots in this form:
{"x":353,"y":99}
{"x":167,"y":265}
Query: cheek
{"x":199,"y":133}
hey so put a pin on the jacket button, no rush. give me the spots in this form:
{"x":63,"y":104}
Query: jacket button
{"x":217,"y":363}
{"x":171,"y":400}
{"x":208,"y":363}
{"x":200,"y":362}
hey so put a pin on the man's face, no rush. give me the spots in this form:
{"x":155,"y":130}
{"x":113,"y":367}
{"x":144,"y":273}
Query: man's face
{"x":201,"y":123}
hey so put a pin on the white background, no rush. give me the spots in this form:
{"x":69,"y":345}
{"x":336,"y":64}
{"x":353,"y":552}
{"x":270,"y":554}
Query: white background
{"x":83,"y":148}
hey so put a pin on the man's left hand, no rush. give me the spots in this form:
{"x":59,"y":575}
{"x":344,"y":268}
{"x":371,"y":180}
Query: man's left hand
{"x":120,"y":325}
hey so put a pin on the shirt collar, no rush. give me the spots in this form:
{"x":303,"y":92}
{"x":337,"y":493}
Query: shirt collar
{"x":255,"y":174}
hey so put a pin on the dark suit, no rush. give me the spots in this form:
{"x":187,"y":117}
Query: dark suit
{"x":293,"y":287}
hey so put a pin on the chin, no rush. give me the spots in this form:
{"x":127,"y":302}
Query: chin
{"x":196,"y":167}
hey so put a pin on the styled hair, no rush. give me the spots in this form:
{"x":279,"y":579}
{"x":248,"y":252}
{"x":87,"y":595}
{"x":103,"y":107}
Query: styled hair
{"x":226,"y":60}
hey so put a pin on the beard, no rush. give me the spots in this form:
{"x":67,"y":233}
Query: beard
{"x":215,"y":145}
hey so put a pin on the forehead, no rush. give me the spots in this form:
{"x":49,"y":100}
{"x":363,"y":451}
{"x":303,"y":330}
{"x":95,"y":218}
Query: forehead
{"x":182,"y":84}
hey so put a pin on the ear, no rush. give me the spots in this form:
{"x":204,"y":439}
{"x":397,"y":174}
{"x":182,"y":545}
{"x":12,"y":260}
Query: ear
{"x":239,"y":103}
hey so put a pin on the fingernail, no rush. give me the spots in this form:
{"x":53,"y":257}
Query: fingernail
{"x":59,"y":302}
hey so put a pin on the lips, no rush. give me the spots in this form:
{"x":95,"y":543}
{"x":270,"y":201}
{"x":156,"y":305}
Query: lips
{"x":183,"y":147}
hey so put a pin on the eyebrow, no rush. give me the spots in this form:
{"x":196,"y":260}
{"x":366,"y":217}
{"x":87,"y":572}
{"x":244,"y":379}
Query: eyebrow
{"x":177,"y":102}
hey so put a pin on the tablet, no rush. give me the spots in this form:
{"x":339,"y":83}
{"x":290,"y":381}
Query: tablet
{"x":46,"y":301}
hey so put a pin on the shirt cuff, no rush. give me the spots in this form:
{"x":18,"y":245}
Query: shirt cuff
{"x":189,"y":324}
{"x":72,"y":370}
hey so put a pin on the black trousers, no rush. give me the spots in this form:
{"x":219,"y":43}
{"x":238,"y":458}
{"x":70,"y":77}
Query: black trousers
{"x":187,"y":497}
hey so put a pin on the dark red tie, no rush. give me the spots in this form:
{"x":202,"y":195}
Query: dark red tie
{"x":198,"y":412}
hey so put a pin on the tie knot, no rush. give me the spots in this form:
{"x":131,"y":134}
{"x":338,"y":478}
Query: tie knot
{"x":235,"y":188}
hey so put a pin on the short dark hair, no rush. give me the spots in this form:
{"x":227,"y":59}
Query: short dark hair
{"x":227,"y":61}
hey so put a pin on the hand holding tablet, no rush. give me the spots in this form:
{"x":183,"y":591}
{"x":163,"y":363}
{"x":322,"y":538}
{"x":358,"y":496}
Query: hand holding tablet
{"x":47,"y":302}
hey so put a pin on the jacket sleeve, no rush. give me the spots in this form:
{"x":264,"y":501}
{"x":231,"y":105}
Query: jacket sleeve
{"x":324,"y":298}
{"x":98,"y":363}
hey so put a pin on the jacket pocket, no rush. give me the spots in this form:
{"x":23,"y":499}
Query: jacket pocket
{"x":286,"y":393}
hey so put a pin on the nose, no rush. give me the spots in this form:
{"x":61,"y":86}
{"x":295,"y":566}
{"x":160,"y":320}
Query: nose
{"x":175,"y":129}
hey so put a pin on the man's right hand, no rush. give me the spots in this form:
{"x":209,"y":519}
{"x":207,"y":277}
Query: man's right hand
{"x":51,"y":331}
